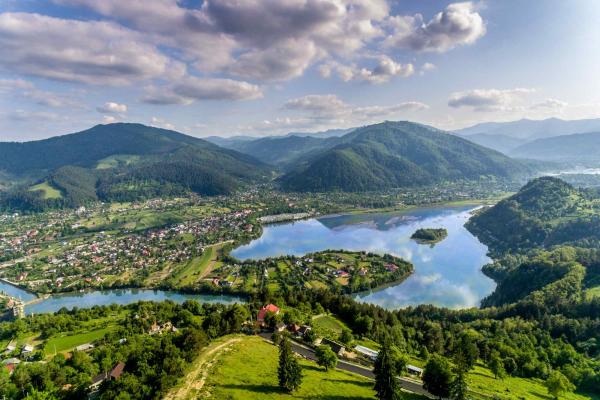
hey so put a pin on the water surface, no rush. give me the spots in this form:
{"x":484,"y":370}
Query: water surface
{"x":447,"y":274}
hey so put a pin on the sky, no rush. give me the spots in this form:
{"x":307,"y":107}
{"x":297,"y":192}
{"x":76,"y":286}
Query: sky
{"x":269,"y":67}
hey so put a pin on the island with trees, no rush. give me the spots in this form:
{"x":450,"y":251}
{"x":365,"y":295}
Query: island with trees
{"x":429,"y":235}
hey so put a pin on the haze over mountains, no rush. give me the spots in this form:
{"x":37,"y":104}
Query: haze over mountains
{"x":508,"y":136}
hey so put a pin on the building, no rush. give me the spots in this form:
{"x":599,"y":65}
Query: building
{"x":336,"y":347}
{"x":367,"y":352}
{"x":416,"y":371}
{"x":262,"y":313}
{"x":114,"y":374}
{"x":84,"y":347}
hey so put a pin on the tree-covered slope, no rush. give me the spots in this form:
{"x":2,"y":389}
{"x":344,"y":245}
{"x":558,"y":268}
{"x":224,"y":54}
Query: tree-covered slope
{"x":545,"y":212}
{"x":89,"y":165}
{"x":284,"y":151}
{"x":397,"y":154}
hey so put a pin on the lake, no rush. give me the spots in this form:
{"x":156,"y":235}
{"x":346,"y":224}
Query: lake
{"x":106,"y":297}
{"x":447,"y":274}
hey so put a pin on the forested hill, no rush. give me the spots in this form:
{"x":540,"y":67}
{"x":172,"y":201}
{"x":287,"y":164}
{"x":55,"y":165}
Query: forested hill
{"x":88,"y":147}
{"x":397,"y":154}
{"x":121,"y":162}
{"x":545,"y":212}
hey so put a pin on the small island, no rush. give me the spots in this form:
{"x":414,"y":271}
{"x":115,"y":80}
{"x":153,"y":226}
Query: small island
{"x":429,"y":235}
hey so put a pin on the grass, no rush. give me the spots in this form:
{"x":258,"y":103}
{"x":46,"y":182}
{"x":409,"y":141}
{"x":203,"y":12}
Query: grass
{"x":116,"y":160}
{"x":483,"y":387}
{"x":69,"y":342}
{"x":249,"y":371}
{"x":196,"y":266}
{"x":328,"y":325}
{"x":48,"y":191}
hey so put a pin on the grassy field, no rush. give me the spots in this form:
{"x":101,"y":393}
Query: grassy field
{"x":48,"y":191}
{"x":592,"y":293}
{"x":328,"y":326}
{"x":248,"y":371}
{"x":65,"y":343}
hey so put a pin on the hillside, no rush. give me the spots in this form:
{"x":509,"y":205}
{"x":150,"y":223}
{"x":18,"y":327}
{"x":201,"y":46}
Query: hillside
{"x":545,"y":212}
{"x":397,"y":154}
{"x":501,"y":143}
{"x":121,"y":162}
{"x":284,"y":151}
{"x":582,"y":147}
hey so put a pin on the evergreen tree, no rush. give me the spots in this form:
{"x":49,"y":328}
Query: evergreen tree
{"x":289,"y":371}
{"x":459,"y":387}
{"x":386,"y":382}
{"x":496,"y":365}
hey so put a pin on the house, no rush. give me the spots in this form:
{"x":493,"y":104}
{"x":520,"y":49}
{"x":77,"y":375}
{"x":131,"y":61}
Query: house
{"x":10,"y":348}
{"x":84,"y":347}
{"x":280,"y":327}
{"x":303,"y":330}
{"x":262,"y":313}
{"x":414,"y":370}
{"x":367,"y":352}
{"x":336,"y":347}
{"x":27,"y":349}
{"x":114,"y":374}
{"x":293,"y":328}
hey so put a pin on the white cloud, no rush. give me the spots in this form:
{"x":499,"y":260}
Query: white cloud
{"x":489,"y":99}
{"x":459,"y":24}
{"x":80,"y":51}
{"x":382,"y":72}
{"x":161,"y":123}
{"x":427,"y":67}
{"x":12,"y":84}
{"x":550,"y":105}
{"x":189,"y":89}
{"x":26,"y":115}
{"x":112,"y":108}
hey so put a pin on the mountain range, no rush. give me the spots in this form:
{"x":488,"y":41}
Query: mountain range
{"x":507,"y":136}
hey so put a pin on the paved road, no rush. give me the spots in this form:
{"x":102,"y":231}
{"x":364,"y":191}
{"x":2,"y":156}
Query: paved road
{"x":309,"y":353}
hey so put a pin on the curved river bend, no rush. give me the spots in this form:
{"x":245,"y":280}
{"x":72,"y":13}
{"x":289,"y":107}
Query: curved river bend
{"x":447,"y":274}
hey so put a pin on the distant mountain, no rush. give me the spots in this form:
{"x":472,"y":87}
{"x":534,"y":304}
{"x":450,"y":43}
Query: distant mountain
{"x":284,"y":151}
{"x":533,"y":129}
{"x":582,"y":147}
{"x":397,"y":154}
{"x":229,"y":142}
{"x":545,"y":212}
{"x":502,"y":143}
{"x":122,"y":162}
{"x":323,"y":134}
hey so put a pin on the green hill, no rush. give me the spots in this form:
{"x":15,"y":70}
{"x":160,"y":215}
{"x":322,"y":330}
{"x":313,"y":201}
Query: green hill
{"x":284,"y":151}
{"x":122,"y":162}
{"x":397,"y":154}
{"x":545,"y":212}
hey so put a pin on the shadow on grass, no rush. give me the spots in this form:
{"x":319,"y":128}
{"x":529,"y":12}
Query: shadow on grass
{"x":351,"y":382}
{"x":265,"y":389}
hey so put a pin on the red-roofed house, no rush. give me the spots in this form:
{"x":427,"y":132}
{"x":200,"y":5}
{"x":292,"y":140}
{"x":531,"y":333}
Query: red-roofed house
{"x":270,"y":308}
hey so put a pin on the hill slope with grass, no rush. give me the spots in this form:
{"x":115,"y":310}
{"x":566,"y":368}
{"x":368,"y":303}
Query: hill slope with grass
{"x":122,"y":162}
{"x":397,"y":154}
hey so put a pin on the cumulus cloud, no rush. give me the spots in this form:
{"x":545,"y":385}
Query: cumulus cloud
{"x":81,"y":51}
{"x":459,"y":24}
{"x":191,"y":88}
{"x":427,"y":67}
{"x":489,"y":99}
{"x":382,"y":72}
{"x":161,"y":123}
{"x":330,"y":107}
{"x":112,"y":108}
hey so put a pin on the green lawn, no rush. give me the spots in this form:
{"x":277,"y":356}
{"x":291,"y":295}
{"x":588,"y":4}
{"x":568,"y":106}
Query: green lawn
{"x":483,"y":387}
{"x":249,"y":371}
{"x":68,"y":342}
{"x":328,"y":326}
{"x":48,"y":191}
{"x":592,"y":293}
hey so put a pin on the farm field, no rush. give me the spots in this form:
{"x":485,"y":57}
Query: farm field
{"x":49,"y":192}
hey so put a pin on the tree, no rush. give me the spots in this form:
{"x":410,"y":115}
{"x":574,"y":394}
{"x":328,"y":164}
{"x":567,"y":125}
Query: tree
{"x":310,"y":336}
{"x":346,"y":336}
{"x":466,"y":351}
{"x":289,"y":371}
{"x":386,"y":382}
{"x":459,"y":387}
{"x":558,"y":384}
{"x":437,"y":376}
{"x":326,"y":357}
{"x":496,"y":365}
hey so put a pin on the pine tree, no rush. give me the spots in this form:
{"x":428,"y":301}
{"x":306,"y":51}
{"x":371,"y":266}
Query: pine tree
{"x":386,"y":382}
{"x":459,"y":387}
{"x":289,"y":371}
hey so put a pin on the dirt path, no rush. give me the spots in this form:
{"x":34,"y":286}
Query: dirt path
{"x":211,"y":265}
{"x":195,"y":379}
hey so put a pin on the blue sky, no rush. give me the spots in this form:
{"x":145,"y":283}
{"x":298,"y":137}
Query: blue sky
{"x":265,"y":67}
